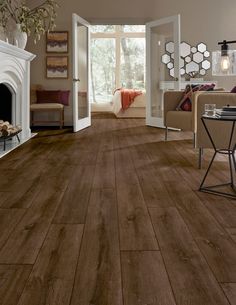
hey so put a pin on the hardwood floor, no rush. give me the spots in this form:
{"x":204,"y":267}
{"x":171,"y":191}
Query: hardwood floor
{"x":112,"y":215}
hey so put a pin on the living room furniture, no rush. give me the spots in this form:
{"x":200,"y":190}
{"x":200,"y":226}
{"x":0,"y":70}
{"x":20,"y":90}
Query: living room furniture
{"x":227,"y":150}
{"x":47,"y":107}
{"x":184,"y":120}
{"x":54,"y":107}
{"x":220,"y":99}
{"x":191,"y":120}
{"x":136,"y":110}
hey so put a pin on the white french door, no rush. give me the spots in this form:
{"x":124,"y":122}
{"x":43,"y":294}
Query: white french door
{"x":81,"y":74}
{"x":158,"y":33}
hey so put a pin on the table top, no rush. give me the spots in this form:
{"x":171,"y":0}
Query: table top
{"x":217,"y":118}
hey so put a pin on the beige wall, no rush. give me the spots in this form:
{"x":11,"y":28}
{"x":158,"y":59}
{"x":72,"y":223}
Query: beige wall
{"x":208,"y":21}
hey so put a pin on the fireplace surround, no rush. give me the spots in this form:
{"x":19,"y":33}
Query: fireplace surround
{"x":15,"y":75}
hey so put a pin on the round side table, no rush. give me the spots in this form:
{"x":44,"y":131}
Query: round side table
{"x":230,"y":150}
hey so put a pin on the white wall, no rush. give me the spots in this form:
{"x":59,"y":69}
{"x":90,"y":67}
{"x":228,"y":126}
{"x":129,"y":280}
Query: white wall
{"x":208,"y":21}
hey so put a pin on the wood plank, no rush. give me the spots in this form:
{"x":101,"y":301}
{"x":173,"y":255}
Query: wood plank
{"x":191,"y":278}
{"x":153,"y":188}
{"x":51,"y":280}
{"x":136,"y":232}
{"x":12,"y":281}
{"x":230,"y":291}
{"x":8,"y":220}
{"x":232,"y":233}
{"x":98,"y":276}
{"x":24,"y":243}
{"x":216,"y":245}
{"x":21,"y":194}
{"x":74,"y":204}
{"x":145,"y":280}
{"x":218,"y":248}
{"x":223,"y":209}
{"x":105,"y":167}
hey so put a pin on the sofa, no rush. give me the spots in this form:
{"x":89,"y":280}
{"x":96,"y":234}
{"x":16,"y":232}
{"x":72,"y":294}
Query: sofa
{"x":191,"y":120}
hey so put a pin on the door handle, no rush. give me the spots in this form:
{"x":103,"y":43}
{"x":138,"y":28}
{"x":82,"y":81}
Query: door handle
{"x":76,"y":80}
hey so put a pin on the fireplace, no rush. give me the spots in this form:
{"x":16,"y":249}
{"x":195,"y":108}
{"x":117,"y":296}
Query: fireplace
{"x":6,"y":104}
{"x":15,"y":87}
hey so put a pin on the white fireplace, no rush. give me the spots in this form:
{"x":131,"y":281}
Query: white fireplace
{"x":15,"y":74}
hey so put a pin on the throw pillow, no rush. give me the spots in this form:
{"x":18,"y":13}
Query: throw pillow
{"x":48,"y":96}
{"x":64,"y":97}
{"x":233,"y":90}
{"x":207,"y":87}
{"x":186,"y":104}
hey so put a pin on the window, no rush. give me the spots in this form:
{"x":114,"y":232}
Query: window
{"x":117,"y":59}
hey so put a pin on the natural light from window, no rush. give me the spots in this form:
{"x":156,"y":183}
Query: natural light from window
{"x":117,"y":59}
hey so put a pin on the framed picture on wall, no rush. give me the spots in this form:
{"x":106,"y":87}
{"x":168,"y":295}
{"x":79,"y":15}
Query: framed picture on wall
{"x":57,"y":67}
{"x":57,"y":42}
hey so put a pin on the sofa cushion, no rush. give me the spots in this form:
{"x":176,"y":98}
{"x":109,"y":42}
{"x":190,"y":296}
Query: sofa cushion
{"x":46,"y":106}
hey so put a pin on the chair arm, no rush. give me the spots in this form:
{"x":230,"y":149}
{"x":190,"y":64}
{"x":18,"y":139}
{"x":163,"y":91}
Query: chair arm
{"x":171,"y":101}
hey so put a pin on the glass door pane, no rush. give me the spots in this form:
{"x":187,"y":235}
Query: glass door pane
{"x":81,"y":104}
{"x":162,"y":36}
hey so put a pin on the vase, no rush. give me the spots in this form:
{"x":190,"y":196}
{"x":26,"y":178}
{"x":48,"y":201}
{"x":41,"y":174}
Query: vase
{"x":19,"y":37}
{"x":2,"y":33}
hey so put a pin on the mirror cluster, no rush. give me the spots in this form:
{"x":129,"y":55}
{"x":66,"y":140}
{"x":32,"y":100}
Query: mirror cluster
{"x":193,"y":59}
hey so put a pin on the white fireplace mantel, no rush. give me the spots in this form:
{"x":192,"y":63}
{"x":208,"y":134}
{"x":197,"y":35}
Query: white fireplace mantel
{"x":15,"y":74}
{"x":9,"y":49}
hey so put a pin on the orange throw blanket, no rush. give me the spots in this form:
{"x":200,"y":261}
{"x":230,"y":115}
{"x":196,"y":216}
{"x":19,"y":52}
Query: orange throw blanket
{"x":128,"y":96}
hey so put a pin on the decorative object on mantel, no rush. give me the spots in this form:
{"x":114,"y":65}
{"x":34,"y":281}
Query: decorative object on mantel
{"x":19,"y":37}
{"x":36,"y":21}
{"x":194,"y":60}
{"x":2,"y":33}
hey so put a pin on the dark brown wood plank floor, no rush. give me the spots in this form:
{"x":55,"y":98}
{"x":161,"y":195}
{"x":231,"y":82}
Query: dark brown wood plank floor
{"x":112,"y":215}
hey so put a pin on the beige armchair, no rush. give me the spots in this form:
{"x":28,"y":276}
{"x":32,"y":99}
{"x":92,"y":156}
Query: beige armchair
{"x":184,"y":120}
{"x":191,"y":120}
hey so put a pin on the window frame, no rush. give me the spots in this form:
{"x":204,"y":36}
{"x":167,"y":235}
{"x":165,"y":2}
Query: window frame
{"x":118,"y":34}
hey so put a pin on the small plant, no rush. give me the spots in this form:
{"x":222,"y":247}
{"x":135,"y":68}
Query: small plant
{"x":36,"y":21}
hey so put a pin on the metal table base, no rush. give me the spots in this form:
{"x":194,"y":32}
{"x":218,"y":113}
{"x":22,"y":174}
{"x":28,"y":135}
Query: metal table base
{"x":231,"y":159}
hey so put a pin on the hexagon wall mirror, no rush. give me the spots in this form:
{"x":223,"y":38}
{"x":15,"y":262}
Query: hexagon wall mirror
{"x":193,"y":59}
